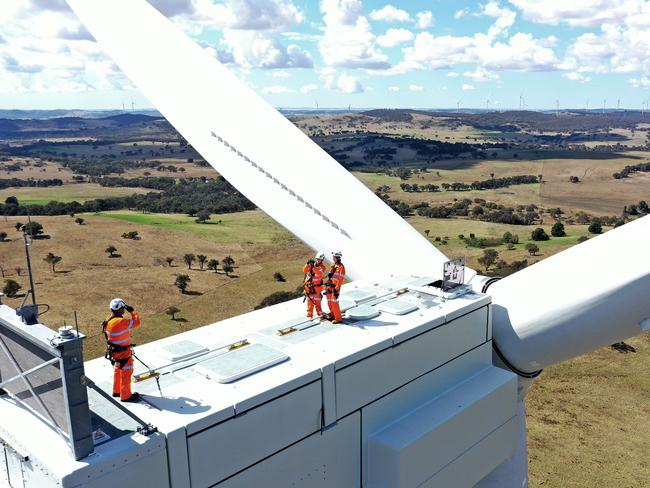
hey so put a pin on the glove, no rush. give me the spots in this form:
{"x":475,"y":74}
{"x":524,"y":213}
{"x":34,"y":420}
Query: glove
{"x":129,"y":308}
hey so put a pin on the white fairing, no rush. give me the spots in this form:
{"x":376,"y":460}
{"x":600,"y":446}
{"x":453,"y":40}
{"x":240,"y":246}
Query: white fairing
{"x":512,"y":473}
{"x":589,"y":296}
{"x":254,"y":147}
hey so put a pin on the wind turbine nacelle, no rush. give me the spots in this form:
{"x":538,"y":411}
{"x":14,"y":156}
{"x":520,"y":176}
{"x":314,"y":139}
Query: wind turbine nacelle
{"x":588,"y":296}
{"x":404,"y":395}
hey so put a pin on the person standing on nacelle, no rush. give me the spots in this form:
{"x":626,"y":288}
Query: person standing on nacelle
{"x":117,"y":331}
{"x":314,"y":271}
{"x":335,"y":279}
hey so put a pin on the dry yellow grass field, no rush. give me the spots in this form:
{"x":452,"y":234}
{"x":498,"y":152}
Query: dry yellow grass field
{"x":48,"y":170}
{"x":87,"y":278}
{"x":598,"y":192}
{"x":421,"y":126}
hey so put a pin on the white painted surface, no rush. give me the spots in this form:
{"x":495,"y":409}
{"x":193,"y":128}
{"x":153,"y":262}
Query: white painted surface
{"x":330,"y":459}
{"x":417,"y":446}
{"x":200,"y":97}
{"x":229,"y":427}
{"x":588,"y":296}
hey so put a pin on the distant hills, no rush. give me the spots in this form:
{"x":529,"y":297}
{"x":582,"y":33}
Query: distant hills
{"x":85,"y":114}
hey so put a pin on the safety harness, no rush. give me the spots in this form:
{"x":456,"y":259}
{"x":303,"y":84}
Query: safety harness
{"x":112,"y":348}
{"x":309,"y":281}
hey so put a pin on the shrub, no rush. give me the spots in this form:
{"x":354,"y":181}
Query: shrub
{"x":11,"y":288}
{"x":539,"y":234}
{"x":595,"y":227}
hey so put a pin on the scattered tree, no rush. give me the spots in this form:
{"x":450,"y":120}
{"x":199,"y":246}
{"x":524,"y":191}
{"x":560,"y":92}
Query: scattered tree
{"x":133,"y":235}
{"x":213,"y":264}
{"x":111,"y":250}
{"x":182,"y":282}
{"x":3,"y":236}
{"x":11,"y":200}
{"x":202,"y":259}
{"x":79,"y":221}
{"x":229,"y":260}
{"x":427,"y":232}
{"x":277,"y":276}
{"x":52,"y":260}
{"x":227,"y":268}
{"x":595,"y":227}
{"x":33,"y":228}
{"x":169,"y":260}
{"x":489,"y":258}
{"x":19,"y":270}
{"x":189,"y":259}
{"x":202,"y":216}
{"x":11,"y":288}
{"x":172,"y":311}
{"x":558,"y":230}
{"x":539,"y":234}
{"x":532,"y":249}
{"x":18,"y":226}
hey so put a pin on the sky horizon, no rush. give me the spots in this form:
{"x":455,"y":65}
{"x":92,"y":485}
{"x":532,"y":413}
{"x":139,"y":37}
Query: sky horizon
{"x":501,"y":55}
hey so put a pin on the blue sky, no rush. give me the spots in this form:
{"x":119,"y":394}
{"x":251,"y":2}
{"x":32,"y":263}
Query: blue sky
{"x":370,"y":53}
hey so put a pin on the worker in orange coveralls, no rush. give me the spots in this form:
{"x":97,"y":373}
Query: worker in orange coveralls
{"x":314,"y":271}
{"x":336,"y":276}
{"x":117,"y":331}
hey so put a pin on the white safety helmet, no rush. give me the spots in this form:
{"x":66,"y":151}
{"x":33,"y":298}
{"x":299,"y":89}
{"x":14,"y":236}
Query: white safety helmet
{"x":337,"y":254}
{"x":117,"y":303}
{"x":320,"y":255}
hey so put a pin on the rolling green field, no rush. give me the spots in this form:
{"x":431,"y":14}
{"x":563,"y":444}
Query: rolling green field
{"x":79,"y":192}
{"x":251,"y":227}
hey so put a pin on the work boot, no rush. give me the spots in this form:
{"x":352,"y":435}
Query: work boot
{"x":335,"y":321}
{"x":116,"y":395}
{"x":134,"y":398}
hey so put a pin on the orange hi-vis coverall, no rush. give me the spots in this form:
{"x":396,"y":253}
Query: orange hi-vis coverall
{"x":118,"y":333}
{"x":333,"y":288}
{"x":314,"y":287}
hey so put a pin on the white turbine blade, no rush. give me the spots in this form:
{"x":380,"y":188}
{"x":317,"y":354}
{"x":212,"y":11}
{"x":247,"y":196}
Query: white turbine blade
{"x":589,"y":296}
{"x":253,"y":146}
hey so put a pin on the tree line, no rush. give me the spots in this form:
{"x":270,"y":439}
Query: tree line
{"x":20,"y":183}
{"x":625,"y":172}
{"x":188,"y":196}
{"x":150,"y":182}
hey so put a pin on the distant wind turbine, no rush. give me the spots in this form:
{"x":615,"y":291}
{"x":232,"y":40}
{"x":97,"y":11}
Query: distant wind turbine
{"x":458,"y":106}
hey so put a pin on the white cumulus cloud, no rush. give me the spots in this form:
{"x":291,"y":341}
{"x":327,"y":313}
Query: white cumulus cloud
{"x":348,"y":41}
{"x":468,"y":87}
{"x":424,"y":19}
{"x":416,"y":88}
{"x":642,"y":82}
{"x":393,"y":88}
{"x":257,"y":49}
{"x":481,"y":75}
{"x":574,"y":76}
{"x":390,"y":14}
{"x":348,"y":84}
{"x":395,"y":37}
{"x":459,"y":14}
